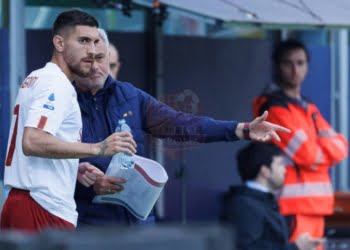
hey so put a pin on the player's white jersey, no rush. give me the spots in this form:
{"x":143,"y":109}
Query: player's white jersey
{"x":47,"y":101}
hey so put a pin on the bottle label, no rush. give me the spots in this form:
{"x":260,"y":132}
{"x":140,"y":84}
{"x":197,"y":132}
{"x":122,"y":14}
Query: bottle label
{"x":126,"y":161}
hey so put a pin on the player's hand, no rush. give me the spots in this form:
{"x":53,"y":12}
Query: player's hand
{"x":108,"y":185}
{"x":115,"y":143}
{"x":88,"y":174}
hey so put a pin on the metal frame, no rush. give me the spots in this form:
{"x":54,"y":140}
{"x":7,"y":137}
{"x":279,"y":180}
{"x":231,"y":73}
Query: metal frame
{"x":17,"y":47}
{"x":339,"y":98}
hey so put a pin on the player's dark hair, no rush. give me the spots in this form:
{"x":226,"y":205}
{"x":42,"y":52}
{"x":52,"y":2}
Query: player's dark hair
{"x":71,"y":18}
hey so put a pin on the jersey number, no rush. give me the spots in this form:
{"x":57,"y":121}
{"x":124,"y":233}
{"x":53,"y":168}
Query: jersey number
{"x":13,"y":138}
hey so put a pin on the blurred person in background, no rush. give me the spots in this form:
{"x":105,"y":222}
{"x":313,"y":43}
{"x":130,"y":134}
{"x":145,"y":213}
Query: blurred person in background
{"x":114,"y":61}
{"x":312,"y":147}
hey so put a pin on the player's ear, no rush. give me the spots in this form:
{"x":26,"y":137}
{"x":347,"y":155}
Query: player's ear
{"x":58,"y":43}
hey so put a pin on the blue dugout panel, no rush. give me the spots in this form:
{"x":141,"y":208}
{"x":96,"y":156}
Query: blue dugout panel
{"x":317,"y":85}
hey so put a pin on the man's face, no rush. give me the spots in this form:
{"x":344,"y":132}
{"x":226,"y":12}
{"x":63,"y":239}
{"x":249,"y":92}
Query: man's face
{"x":277,"y":172}
{"x":98,"y":74}
{"x":293,"y":68}
{"x":79,"y":49}
{"x":113,"y":62}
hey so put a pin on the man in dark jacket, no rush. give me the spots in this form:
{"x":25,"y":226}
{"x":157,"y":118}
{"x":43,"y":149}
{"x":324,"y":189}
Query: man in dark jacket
{"x":103,"y":101}
{"x":252,"y":207}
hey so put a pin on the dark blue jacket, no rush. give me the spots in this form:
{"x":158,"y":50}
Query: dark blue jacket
{"x":259,"y":225}
{"x":145,"y":114}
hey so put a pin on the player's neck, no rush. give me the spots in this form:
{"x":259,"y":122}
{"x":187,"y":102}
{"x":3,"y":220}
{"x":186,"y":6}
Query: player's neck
{"x":63,"y":66}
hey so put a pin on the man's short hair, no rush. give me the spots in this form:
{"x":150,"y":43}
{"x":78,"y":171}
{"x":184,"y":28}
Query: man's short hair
{"x":284,"y":47}
{"x":251,"y":158}
{"x":103,"y":35}
{"x":72,"y":18}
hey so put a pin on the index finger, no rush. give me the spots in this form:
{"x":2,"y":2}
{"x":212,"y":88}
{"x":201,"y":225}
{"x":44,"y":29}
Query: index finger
{"x":85,"y":167}
{"x":98,"y":172}
{"x":278,"y":127}
{"x":91,"y":167}
{"x":131,"y":141}
{"x":124,"y":134}
{"x":275,"y":136}
{"x":116,"y":180}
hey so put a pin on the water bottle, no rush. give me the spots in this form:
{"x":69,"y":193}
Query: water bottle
{"x":124,"y":160}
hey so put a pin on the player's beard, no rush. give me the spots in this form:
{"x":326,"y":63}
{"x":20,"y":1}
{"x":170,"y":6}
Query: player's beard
{"x":77,"y":70}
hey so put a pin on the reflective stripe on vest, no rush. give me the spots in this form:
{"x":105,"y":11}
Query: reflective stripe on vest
{"x":307,"y":189}
{"x":326,"y":133}
{"x":295,"y":142}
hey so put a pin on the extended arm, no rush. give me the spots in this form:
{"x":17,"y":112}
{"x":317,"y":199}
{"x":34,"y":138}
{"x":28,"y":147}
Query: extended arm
{"x":163,"y":121}
{"x":38,"y":143}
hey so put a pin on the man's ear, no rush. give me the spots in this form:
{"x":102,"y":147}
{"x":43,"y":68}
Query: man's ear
{"x":58,"y":42}
{"x":265,"y":171}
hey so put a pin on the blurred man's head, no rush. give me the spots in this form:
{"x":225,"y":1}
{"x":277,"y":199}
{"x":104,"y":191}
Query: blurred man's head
{"x":290,"y":60}
{"x":75,"y":37}
{"x":114,"y":64}
{"x":263,"y":163}
{"x":95,"y":80}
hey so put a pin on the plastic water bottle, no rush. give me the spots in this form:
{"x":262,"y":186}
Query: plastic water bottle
{"x":122,"y":159}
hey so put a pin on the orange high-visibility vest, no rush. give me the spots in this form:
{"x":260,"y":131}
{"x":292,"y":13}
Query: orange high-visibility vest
{"x":311,"y":149}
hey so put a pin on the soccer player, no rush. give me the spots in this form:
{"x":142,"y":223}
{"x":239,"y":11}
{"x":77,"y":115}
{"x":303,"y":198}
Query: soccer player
{"x":44,"y":142}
